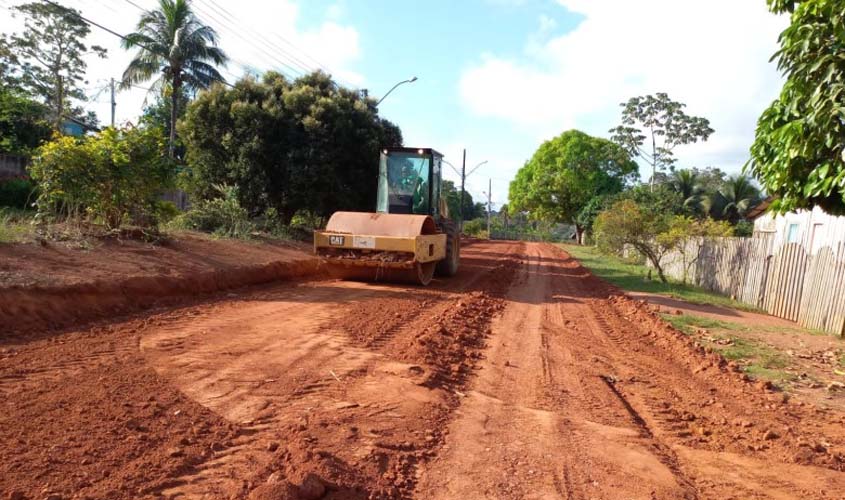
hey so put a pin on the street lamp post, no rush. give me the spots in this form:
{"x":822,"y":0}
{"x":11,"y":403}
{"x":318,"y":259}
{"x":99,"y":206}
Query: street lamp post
{"x":410,"y":80}
{"x":463,"y":174}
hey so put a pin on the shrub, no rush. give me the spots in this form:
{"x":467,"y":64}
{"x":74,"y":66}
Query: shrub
{"x":115,"y":175}
{"x":476,"y":228}
{"x":223,"y":216}
{"x":17,"y":192}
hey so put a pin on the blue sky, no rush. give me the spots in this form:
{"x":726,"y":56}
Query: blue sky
{"x":495,"y":76}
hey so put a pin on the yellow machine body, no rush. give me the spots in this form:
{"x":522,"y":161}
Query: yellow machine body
{"x":381,"y":246}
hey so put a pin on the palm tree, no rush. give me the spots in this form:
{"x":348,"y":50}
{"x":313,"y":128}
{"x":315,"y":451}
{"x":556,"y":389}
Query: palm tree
{"x":172,"y":42}
{"x":686,"y":183}
{"x":736,"y":197}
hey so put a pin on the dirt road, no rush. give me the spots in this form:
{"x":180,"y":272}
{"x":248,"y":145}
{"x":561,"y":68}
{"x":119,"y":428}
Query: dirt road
{"x":523,"y":377}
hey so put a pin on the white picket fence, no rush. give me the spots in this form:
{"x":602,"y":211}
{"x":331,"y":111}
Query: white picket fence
{"x":786,"y":282}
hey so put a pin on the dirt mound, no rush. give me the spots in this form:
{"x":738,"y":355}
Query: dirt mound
{"x":56,"y":286}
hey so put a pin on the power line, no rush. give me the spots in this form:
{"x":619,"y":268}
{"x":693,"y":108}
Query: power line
{"x":108,"y":30}
{"x":236,"y":32}
{"x":283,"y":39}
{"x":234,"y":21}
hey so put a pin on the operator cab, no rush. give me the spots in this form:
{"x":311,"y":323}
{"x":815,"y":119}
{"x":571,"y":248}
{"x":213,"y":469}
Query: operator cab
{"x":409,"y":181}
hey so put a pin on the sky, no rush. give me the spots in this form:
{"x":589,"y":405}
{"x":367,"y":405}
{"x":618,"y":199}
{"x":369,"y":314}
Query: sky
{"x":495,"y":77}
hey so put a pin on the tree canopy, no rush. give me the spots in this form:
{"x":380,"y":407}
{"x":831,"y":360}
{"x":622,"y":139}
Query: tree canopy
{"x":664,"y":124}
{"x":23,"y":123}
{"x":174,"y":43}
{"x":47,"y":60}
{"x":799,"y":151}
{"x":303,"y":145}
{"x":566,"y":173}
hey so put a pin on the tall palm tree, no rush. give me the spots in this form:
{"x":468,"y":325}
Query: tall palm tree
{"x":736,"y":197}
{"x":686,"y":182}
{"x":174,"y":44}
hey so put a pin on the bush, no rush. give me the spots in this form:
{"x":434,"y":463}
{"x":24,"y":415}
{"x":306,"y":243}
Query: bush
{"x":17,"y":192}
{"x":224,"y":216}
{"x":476,"y":228}
{"x":113,"y":176}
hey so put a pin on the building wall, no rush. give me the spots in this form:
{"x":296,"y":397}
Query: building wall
{"x":812,"y":230}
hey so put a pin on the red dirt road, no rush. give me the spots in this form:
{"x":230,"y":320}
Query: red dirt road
{"x":522,"y":377}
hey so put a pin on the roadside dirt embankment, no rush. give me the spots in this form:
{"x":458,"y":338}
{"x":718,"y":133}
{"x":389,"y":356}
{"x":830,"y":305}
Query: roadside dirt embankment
{"x":55,"y":286}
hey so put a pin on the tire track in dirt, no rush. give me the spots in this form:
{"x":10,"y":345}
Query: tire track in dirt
{"x":284,"y":362}
{"x":596,"y":397}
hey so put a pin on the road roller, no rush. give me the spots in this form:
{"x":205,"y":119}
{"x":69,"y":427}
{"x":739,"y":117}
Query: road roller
{"x":409,"y":238}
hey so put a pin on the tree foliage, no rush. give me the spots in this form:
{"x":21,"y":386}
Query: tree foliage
{"x":303,"y":145}
{"x":735,"y":198}
{"x":472,"y":209}
{"x":566,"y":173}
{"x":651,"y":232}
{"x":664,"y":124}
{"x":799,"y":151}
{"x":23,"y":123}
{"x":113,"y":176}
{"x":47,"y":60}
{"x":173,"y":43}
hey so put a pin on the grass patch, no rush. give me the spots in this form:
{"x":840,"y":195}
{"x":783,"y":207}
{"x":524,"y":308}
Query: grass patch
{"x":688,"y":323}
{"x":634,"y":277}
{"x":15,"y":225}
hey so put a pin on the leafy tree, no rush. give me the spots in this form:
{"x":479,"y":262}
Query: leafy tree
{"x":586,"y":217}
{"x":627,"y":223}
{"x":685,"y":182}
{"x":158,"y":114}
{"x":735,"y":198}
{"x":662,"y":122}
{"x":23,"y":123}
{"x":112,"y":176}
{"x":472,"y":210}
{"x":174,"y":43}
{"x":303,"y":145}
{"x":799,"y":152}
{"x":566,"y":173}
{"x":47,"y":58}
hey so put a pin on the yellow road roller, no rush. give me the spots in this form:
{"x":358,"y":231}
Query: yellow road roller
{"x":409,"y":237}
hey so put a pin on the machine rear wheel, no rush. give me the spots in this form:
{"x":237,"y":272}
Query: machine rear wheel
{"x":449,"y":265}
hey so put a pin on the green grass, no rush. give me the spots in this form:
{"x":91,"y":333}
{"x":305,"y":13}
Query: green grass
{"x":15,"y":225}
{"x":634,"y":277}
{"x":688,"y":323}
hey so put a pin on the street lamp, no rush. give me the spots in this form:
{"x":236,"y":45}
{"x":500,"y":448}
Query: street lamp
{"x":463,"y":175}
{"x":411,"y":80}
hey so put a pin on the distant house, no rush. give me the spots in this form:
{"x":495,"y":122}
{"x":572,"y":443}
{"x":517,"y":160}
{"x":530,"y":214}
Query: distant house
{"x":812,"y":229}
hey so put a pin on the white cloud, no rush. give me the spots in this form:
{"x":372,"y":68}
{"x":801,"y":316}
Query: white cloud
{"x":711,"y":55}
{"x":258,"y":34}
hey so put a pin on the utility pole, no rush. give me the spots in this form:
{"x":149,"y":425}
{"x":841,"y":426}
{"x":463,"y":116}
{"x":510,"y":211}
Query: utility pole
{"x":489,"y":205}
{"x":113,"y":102}
{"x":463,"y":182}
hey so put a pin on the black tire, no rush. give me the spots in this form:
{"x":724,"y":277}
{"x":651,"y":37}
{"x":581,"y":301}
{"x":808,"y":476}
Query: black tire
{"x":449,"y":265}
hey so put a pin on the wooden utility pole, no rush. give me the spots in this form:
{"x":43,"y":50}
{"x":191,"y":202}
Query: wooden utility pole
{"x":113,"y":103}
{"x":489,"y":204}
{"x":463,"y":182}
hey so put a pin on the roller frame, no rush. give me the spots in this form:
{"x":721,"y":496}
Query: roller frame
{"x":424,"y":248}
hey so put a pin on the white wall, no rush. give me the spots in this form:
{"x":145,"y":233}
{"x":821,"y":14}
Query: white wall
{"x":815,"y":229}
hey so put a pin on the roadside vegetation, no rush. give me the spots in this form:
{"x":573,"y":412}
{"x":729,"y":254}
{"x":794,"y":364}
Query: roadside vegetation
{"x":631,"y":275}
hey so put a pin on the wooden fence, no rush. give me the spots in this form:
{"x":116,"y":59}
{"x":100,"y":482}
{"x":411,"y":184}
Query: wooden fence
{"x":786,"y":282}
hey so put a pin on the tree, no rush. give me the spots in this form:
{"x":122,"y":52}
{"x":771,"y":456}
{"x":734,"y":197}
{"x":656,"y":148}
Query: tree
{"x":112,"y":176}
{"x":172,"y":42}
{"x":735,"y":198}
{"x":23,"y":123}
{"x":799,"y":153}
{"x":158,"y":114}
{"x":627,"y":223}
{"x":566,"y":173}
{"x":46,"y":59}
{"x":472,"y":210}
{"x":292,"y":146}
{"x":663,"y":122}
